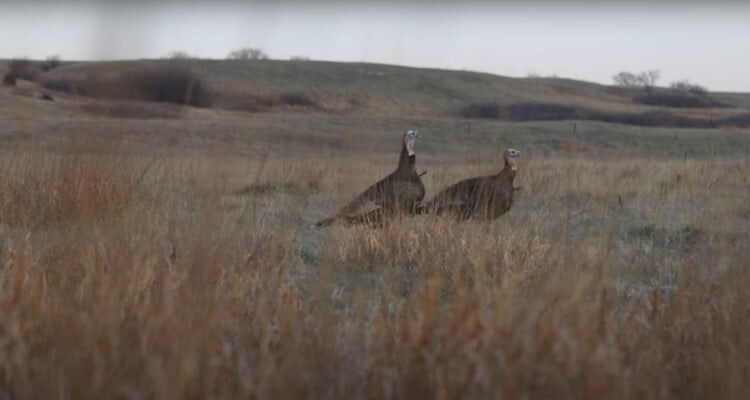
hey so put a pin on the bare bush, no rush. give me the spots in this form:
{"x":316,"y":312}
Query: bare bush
{"x":543,"y":112}
{"x":297,"y":100}
{"x":9,"y":79}
{"x":523,"y":112}
{"x":626,"y":80}
{"x":247,"y":53}
{"x":23,"y":68}
{"x":61,"y":85}
{"x":649,"y":78}
{"x":180,"y":55}
{"x":299,"y":58}
{"x":50,"y":63}
{"x":740,"y":120}
{"x":170,"y":82}
{"x":653,"y":118}
{"x":688,"y":87}
{"x":490,"y":110}
{"x":677,"y":99}
{"x":645,"y":80}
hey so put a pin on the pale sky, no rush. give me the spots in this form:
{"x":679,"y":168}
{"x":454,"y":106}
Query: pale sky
{"x":705,"y":42}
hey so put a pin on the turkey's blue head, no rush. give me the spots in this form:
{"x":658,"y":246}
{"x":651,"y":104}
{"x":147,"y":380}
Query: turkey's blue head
{"x":410,"y":137}
{"x":509,"y":156}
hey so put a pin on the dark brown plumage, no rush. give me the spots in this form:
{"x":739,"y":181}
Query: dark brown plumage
{"x":486,"y":197}
{"x":401,"y":192}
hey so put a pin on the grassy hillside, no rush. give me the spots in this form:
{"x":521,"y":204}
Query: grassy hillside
{"x":367,"y":87}
{"x":381,"y":89}
{"x":361,"y":108}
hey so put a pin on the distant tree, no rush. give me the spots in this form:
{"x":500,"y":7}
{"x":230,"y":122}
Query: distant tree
{"x":646,"y":80}
{"x":50,"y":63}
{"x":686,"y":86}
{"x":247,"y":53}
{"x":626,"y":80}
{"x":299,"y":58}
{"x":179,"y":55}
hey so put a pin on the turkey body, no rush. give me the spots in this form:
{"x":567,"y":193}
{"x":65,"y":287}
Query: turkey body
{"x":401,"y":192}
{"x":485,"y":197}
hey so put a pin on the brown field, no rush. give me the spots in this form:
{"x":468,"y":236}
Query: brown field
{"x":174,"y":257}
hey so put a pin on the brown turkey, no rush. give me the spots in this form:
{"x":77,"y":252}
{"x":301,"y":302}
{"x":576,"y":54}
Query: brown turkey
{"x":485,"y":197}
{"x":401,"y":192}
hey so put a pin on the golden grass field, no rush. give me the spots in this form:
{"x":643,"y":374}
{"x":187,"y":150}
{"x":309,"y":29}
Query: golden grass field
{"x":132,"y":277}
{"x":176,"y":258}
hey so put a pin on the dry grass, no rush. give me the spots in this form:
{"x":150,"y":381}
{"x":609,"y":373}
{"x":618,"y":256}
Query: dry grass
{"x":127,"y":278}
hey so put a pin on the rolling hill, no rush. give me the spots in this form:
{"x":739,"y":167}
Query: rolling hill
{"x":383,"y":89}
{"x":313,"y":109}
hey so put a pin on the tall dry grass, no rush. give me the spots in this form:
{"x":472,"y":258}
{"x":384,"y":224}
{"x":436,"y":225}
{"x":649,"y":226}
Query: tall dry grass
{"x":129,"y":278}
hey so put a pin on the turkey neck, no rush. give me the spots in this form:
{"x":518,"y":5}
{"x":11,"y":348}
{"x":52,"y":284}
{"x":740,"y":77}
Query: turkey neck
{"x":506,"y":173}
{"x":406,"y":163}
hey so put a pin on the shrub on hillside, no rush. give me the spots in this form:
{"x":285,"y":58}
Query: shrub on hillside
{"x":686,"y":86}
{"x":653,"y":118}
{"x":297,"y":100}
{"x":166,"y":83}
{"x":247,"y":53}
{"x":645,"y":80}
{"x":543,"y":112}
{"x":50,"y":63}
{"x":61,"y":85}
{"x":490,"y":110}
{"x":180,"y":55}
{"x":524,"y":112}
{"x":740,"y":120}
{"x":171,"y":83}
{"x":9,"y":79}
{"x":678,"y":99}
{"x":24,"y":69}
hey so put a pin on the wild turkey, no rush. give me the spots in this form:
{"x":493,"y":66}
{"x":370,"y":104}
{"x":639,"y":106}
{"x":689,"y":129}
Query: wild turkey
{"x":401,"y":192}
{"x":485,"y":197}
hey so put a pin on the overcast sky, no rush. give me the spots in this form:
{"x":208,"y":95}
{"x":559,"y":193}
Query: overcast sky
{"x":706,"y":42}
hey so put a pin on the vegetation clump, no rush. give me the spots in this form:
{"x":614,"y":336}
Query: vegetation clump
{"x":488,"y":110}
{"x":24,"y":69}
{"x":9,"y":79}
